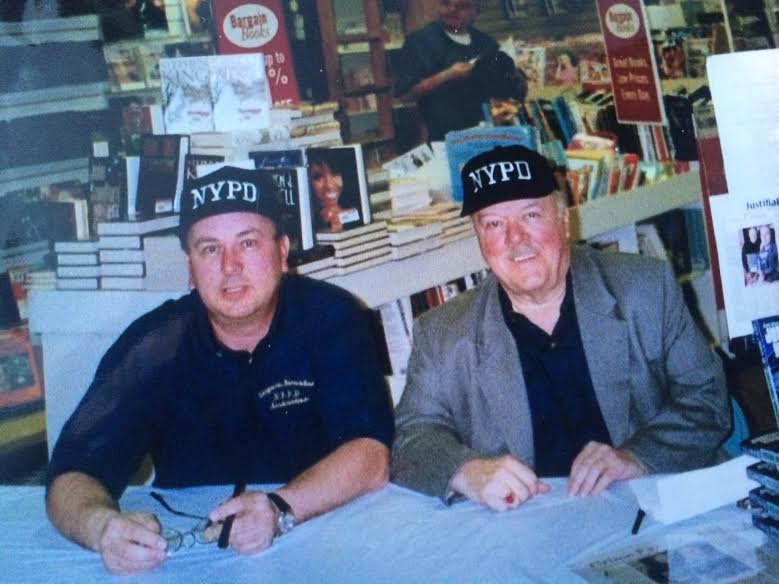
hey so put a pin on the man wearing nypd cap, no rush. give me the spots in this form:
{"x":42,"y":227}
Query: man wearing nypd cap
{"x":565,"y":361}
{"x":255,"y":376}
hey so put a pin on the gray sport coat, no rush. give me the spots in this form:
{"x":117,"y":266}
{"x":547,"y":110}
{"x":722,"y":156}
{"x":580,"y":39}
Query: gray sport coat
{"x":659,"y":385}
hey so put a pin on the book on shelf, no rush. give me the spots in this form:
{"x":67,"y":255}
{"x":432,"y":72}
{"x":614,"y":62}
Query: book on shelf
{"x":363,"y":241}
{"x":328,"y":237}
{"x":361,"y":256}
{"x":186,"y":95}
{"x":163,"y":223}
{"x":766,"y":333}
{"x":292,"y":182}
{"x":402,"y":233}
{"x":364,"y":264}
{"x":531,"y":60}
{"x":150,"y":53}
{"x":10,"y":314}
{"x":80,"y":247}
{"x":409,"y":161}
{"x":107,"y":190}
{"x":77,"y":283}
{"x":76,"y":259}
{"x":316,"y":265}
{"x":275,"y":158}
{"x":339,"y":189}
{"x":125,"y":67}
{"x":120,"y":256}
{"x":364,"y":250}
{"x":412,"y":248}
{"x":20,"y":379}
{"x":239,"y":91}
{"x":87,"y":271}
{"x":119,"y":242}
{"x":160,"y":174}
{"x":121,"y":283}
{"x":217,"y":93}
{"x":462,"y":145}
{"x":122,"y":269}
{"x":397,"y":324}
{"x":193,"y":163}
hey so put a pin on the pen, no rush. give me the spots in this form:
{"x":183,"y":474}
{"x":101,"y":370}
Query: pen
{"x":224,"y":535}
{"x":637,"y":523}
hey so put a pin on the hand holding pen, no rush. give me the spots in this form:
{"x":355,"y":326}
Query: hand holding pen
{"x":249,"y":521}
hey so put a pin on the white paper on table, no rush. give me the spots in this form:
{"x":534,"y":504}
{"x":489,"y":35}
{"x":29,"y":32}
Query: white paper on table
{"x":744,"y":301}
{"x":671,"y":498}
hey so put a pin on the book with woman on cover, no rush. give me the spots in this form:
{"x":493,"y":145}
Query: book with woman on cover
{"x":339,"y":188}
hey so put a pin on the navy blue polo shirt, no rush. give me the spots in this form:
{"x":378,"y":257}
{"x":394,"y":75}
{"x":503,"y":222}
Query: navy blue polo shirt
{"x":211,"y":415}
{"x":563,"y":406}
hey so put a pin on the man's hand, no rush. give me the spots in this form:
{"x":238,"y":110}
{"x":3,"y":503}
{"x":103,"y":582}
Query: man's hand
{"x":499,"y":483}
{"x":254,"y":525}
{"x":131,"y":542}
{"x":458,"y":70}
{"x":598,"y":465}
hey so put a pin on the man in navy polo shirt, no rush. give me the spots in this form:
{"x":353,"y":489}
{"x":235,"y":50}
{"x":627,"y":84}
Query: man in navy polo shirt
{"x":256,"y":376}
{"x":564,"y":362}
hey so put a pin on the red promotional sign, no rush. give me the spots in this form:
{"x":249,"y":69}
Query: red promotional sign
{"x":631,"y":61}
{"x":257,"y":26}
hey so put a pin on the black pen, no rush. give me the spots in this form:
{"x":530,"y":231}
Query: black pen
{"x":637,"y":523}
{"x":224,"y":535}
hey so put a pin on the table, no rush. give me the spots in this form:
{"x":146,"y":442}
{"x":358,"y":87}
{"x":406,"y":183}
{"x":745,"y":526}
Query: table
{"x":393,"y":535}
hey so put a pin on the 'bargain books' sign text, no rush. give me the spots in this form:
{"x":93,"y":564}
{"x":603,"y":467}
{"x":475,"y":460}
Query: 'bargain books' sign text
{"x":258,"y":26}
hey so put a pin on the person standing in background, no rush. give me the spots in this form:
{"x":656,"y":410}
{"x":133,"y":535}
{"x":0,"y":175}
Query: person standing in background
{"x":436,"y":65}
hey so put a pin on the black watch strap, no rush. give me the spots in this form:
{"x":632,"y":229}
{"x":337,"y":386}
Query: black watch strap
{"x":280,"y":503}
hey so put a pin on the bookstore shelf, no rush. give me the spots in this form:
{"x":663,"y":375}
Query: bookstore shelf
{"x":57,"y":30}
{"x":81,"y":97}
{"x":38,"y":175}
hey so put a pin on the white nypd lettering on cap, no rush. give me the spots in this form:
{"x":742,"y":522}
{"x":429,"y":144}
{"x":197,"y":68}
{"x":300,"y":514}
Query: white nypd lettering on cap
{"x":507,"y":171}
{"x":213,"y":192}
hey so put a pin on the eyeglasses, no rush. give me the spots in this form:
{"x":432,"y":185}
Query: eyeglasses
{"x":177,"y":539}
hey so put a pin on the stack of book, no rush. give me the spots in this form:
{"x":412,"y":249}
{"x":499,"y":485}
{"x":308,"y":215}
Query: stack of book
{"x":40,"y":280}
{"x":121,"y":255}
{"x":408,"y":238}
{"x":357,"y":249}
{"x":116,"y":261}
{"x":77,"y":265}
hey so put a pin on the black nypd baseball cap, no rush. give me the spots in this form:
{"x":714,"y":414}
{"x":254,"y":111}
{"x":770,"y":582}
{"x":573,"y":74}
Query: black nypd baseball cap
{"x":505,"y":173}
{"x":229,"y":190}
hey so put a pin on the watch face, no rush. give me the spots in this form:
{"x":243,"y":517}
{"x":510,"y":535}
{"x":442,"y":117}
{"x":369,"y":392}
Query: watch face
{"x":286,"y":522}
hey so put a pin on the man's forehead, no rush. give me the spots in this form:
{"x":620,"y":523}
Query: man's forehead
{"x":515,"y":206}
{"x":226,"y":224}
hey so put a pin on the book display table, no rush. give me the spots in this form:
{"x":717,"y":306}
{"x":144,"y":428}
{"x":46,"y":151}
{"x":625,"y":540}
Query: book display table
{"x":398,"y":536}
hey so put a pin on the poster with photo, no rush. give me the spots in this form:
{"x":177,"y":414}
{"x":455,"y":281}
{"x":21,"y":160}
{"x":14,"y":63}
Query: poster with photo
{"x":745,"y":232}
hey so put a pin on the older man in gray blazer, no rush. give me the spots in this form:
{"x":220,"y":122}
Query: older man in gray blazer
{"x":565,"y":361}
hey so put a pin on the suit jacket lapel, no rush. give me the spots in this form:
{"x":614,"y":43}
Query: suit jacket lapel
{"x":499,"y":376}
{"x":605,"y":338}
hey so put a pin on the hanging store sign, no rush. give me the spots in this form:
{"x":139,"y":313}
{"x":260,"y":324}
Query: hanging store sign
{"x":631,"y":61}
{"x":258,"y":27}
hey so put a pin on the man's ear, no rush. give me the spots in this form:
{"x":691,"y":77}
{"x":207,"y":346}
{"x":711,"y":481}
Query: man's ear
{"x":189,"y":269}
{"x":284,"y":250}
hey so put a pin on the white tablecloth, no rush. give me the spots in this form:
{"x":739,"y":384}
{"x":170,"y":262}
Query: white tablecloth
{"x":393,"y":536}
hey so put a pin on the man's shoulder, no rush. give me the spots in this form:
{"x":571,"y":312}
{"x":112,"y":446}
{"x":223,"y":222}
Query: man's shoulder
{"x":311,"y":295}
{"x":430,"y":33}
{"x":461,"y":314}
{"x":170,"y":316}
{"x":618,"y":264}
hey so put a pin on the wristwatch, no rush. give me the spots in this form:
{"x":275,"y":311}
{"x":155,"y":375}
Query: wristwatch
{"x":286,"y":520}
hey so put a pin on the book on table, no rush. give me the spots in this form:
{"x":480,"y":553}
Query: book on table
{"x":339,"y":188}
{"x":160,"y":174}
